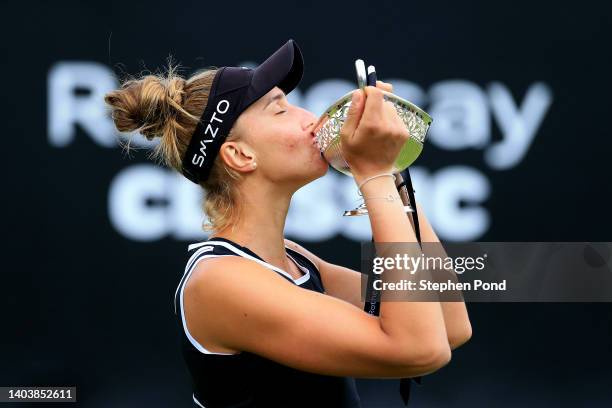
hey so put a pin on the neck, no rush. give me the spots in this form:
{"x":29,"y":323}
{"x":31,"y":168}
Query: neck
{"x":263,"y":210}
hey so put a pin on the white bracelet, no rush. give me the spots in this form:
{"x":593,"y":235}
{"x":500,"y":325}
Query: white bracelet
{"x":371,"y":178}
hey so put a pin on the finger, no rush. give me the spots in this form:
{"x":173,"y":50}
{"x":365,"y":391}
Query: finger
{"x":354,"y":114}
{"x":385,"y":86}
{"x":392,"y":114}
{"x":390,"y":111}
{"x":373,"y":110}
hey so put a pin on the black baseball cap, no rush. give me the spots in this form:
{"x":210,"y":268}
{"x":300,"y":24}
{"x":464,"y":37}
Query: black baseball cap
{"x":233,"y":90}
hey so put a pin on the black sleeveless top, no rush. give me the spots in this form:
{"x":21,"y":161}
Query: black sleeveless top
{"x":245,"y":379}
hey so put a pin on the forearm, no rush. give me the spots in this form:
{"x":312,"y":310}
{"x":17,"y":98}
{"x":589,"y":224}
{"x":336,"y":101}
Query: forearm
{"x":415,"y":323}
{"x":456,"y":320}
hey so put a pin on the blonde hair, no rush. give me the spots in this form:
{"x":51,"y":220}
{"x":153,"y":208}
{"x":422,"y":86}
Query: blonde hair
{"x":168,"y":106}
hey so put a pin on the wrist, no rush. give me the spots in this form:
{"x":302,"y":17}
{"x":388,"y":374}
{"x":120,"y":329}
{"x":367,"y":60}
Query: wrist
{"x":373,"y":186}
{"x":361,"y":176}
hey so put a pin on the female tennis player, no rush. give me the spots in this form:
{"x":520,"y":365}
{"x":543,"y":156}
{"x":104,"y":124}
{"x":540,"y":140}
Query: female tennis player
{"x":263,"y":321}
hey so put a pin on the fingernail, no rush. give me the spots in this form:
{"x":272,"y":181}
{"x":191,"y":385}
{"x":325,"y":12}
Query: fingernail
{"x":356,"y":97}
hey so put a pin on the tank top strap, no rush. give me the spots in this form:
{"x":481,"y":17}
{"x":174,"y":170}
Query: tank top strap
{"x":303,"y":261}
{"x":224,"y":246}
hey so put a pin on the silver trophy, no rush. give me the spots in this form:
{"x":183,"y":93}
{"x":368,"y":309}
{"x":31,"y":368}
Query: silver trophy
{"x":417,"y":122}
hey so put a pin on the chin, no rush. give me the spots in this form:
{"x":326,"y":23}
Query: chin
{"x":320,"y":169}
{"x":319,"y":165}
{"x":315,"y":171}
{"x":310,"y":170}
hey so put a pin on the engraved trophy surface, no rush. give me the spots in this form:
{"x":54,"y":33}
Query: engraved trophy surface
{"x":328,"y":128}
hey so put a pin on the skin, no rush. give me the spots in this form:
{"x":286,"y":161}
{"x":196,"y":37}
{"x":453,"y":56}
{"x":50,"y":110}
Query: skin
{"x":240,"y":296}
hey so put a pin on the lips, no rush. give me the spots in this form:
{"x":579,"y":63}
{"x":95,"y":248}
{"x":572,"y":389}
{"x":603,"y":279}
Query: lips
{"x":315,"y":143}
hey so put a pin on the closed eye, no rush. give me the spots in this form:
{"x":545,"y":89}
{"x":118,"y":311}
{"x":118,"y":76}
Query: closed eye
{"x":283,"y":111}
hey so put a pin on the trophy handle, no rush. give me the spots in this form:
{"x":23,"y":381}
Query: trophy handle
{"x":360,"y":70}
{"x":404,"y":188}
{"x":401,"y":188}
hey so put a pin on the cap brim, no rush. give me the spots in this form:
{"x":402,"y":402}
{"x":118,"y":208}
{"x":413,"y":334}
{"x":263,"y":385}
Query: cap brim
{"x":284,"y":69}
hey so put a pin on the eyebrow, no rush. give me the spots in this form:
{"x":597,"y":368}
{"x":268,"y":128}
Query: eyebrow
{"x":275,"y":97}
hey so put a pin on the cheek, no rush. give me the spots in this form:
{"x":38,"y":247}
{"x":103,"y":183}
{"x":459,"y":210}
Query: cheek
{"x":290,"y":143}
{"x":285,"y":141}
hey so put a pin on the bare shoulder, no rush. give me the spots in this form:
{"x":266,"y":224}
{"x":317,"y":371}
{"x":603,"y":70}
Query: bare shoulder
{"x":222,"y":292}
{"x":228,"y":273}
{"x":224,"y":286}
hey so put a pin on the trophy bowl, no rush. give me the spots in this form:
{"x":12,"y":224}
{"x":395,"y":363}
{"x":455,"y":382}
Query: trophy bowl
{"x":328,"y":128}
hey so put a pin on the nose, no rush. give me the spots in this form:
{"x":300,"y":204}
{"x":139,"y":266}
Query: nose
{"x":308,"y":121}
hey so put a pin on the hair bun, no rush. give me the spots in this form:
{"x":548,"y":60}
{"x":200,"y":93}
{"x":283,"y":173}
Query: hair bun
{"x":166,"y":106}
{"x":149,"y":105}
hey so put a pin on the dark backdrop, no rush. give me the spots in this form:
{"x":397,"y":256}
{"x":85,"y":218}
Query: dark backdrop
{"x":86,"y":304}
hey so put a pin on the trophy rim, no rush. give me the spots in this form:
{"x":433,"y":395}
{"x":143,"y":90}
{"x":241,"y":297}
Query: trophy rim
{"x":348,"y":96}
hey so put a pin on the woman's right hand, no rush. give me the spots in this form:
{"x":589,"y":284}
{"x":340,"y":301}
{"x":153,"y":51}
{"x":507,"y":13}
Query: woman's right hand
{"x":373,"y":134}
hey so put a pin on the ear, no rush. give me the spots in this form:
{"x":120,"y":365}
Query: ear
{"x":238,"y":156}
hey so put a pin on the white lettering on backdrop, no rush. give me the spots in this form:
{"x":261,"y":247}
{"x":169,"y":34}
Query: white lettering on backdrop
{"x":148,"y":203}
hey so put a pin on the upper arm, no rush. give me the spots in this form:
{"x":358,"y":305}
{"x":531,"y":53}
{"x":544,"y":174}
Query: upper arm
{"x":238,"y":304}
{"x":344,"y":283}
{"x":339,"y":281}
